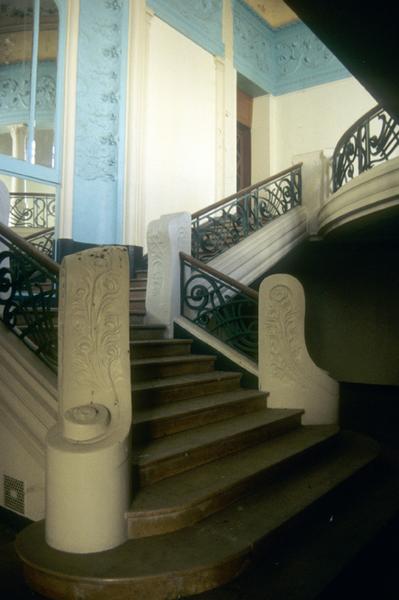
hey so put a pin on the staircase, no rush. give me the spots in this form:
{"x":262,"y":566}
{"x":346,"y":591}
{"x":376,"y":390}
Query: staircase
{"x":215,"y":474}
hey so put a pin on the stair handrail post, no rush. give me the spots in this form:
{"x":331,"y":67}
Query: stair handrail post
{"x":308,"y":182}
{"x":166,"y":238}
{"x":88,"y":468}
{"x":286,"y":369}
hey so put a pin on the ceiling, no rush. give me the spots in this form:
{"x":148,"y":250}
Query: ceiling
{"x":275,"y":12}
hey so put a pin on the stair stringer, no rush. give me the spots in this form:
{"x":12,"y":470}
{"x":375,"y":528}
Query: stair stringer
{"x":260,"y":251}
{"x":28,"y":409}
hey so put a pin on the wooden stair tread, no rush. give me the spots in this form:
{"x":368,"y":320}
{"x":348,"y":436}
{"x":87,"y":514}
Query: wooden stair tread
{"x":161,"y":341}
{"x":186,"y":442}
{"x":194,"y":378}
{"x":199,"y":557}
{"x":140,"y":326}
{"x":186,"y":497}
{"x":166,"y":360}
{"x":192,"y":405}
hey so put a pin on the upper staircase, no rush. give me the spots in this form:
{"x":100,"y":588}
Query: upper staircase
{"x":215,"y":473}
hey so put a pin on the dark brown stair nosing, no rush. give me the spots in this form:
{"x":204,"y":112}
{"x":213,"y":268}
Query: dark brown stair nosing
{"x":183,"y":451}
{"x":197,"y":558}
{"x":186,"y":498}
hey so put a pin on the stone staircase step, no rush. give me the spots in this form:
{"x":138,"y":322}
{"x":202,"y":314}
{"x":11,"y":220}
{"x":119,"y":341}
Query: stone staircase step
{"x":138,"y":283}
{"x":183,"y":451}
{"x":172,"y":389}
{"x":205,"y":555}
{"x":137,"y":305}
{"x":146,"y":332}
{"x":140,"y":274}
{"x":171,"y":366}
{"x":136,"y":316}
{"x":164,"y":347}
{"x":137,"y":294}
{"x":184,"y":499}
{"x":171,"y":418}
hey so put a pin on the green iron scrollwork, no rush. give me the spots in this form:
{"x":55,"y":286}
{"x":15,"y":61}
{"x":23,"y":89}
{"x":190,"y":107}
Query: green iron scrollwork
{"x":220,"y":308}
{"x":227,"y":222}
{"x":28,"y":301}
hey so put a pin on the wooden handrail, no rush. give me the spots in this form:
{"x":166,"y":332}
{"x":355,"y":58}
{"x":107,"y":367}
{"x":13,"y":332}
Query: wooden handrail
{"x":32,"y":194}
{"x":215,"y":273}
{"x":39,"y":233}
{"x":22,"y":244}
{"x":245,"y":191}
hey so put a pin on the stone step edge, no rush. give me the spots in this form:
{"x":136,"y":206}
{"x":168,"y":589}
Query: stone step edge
{"x":184,"y":380}
{"x":195,"y":405}
{"x":223,"y":558}
{"x":241,"y":481}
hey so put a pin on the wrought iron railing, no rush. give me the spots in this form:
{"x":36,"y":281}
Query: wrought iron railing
{"x":43,"y":241}
{"x":32,"y":210}
{"x":225,"y":223}
{"x":220,"y":305}
{"x":28,"y":295}
{"x":371,"y":140}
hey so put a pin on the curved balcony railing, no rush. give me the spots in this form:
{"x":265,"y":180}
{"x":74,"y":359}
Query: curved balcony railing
{"x":221,"y":306}
{"x":227,"y":222}
{"x":373,"y":139}
{"x":28,"y":209}
{"x":28,"y":294}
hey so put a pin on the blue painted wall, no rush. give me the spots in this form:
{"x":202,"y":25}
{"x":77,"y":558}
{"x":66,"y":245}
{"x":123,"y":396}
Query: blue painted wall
{"x":199,"y":20}
{"x":100,"y":113}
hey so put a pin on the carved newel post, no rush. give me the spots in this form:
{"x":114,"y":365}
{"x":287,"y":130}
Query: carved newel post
{"x":286,"y":369}
{"x":166,"y":238}
{"x":88,"y":467}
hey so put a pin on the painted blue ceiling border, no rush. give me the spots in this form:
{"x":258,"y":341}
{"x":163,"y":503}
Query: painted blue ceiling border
{"x":301,"y":60}
{"x":280,"y":60}
{"x":199,"y":21}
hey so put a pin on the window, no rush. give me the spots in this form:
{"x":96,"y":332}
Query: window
{"x":29,"y":88}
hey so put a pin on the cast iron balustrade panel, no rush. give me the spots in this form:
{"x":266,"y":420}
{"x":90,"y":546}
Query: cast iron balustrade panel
{"x":373,"y":139}
{"x":32,"y":210}
{"x":43,"y":241}
{"x":227,"y":311}
{"x":28,"y":300}
{"x":226,"y":223}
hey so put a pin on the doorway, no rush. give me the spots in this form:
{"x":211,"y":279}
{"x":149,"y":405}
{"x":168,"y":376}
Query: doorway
{"x":244,"y":124}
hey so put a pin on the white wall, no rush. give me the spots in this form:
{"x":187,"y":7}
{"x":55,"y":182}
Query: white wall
{"x":314,"y":118}
{"x":180,"y":158}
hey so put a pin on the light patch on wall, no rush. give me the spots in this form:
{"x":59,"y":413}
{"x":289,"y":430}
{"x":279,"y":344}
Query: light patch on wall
{"x":275,"y":12}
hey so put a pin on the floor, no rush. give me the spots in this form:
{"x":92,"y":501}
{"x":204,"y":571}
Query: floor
{"x":360,"y":526}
